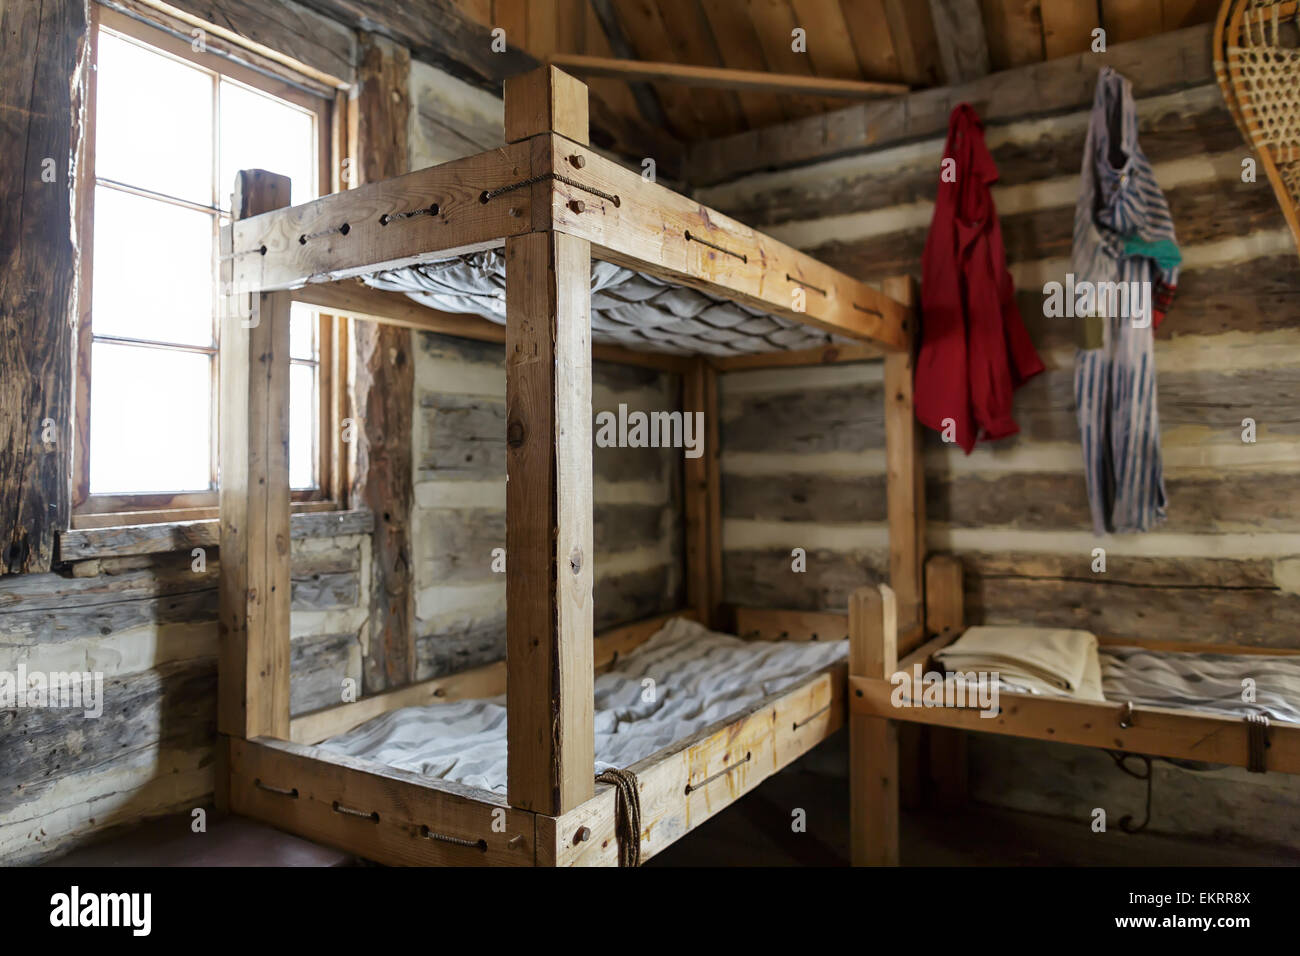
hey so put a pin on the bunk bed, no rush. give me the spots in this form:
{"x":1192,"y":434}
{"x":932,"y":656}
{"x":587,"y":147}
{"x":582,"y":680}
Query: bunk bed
{"x":681,"y":287}
{"x":1165,"y":720}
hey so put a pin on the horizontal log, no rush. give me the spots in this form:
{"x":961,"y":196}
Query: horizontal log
{"x":1192,"y":123}
{"x":1039,"y":500}
{"x":81,"y":544}
{"x":318,"y":665}
{"x":1167,"y":62}
{"x":1202,"y":212}
{"x":634,"y":595}
{"x":846,"y":418}
{"x":767,"y":579}
{"x":172,"y":707}
{"x":460,"y":646}
{"x":1122,"y":570}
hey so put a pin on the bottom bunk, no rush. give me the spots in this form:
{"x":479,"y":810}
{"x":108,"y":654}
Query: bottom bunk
{"x":697,"y":717}
{"x":1222,"y":705}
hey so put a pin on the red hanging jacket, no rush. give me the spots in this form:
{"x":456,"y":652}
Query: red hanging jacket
{"x":974,"y":348}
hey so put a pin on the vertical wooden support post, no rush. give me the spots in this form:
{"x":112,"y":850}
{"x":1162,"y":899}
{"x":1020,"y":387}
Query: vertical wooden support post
{"x":701,"y":488}
{"x":944,"y":615}
{"x":873,"y":741}
{"x":253,"y":628}
{"x":905,"y":481}
{"x":549,"y":622}
{"x":384,"y":388}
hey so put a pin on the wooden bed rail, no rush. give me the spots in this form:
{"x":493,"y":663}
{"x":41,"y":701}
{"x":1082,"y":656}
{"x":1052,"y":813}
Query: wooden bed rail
{"x":546,"y":179}
{"x":873,"y":740}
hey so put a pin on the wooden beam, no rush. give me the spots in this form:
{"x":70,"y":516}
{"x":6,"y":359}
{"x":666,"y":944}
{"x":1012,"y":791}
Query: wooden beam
{"x":1159,"y":64}
{"x":652,"y":229}
{"x":905,"y":478}
{"x":762,"y":624}
{"x":1068,"y":26}
{"x":380,"y":813}
{"x":384,"y":391}
{"x":44,"y":68}
{"x":549,"y":525}
{"x":253,"y":621}
{"x":873,"y":740}
{"x":1158,"y":731}
{"x":713,"y":480}
{"x":708,"y":77}
{"x":549,"y":522}
{"x":959,"y":31}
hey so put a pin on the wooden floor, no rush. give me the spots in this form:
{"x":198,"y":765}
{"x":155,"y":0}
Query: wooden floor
{"x":756,"y":831}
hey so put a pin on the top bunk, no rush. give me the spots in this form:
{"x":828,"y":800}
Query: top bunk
{"x":670,"y":274}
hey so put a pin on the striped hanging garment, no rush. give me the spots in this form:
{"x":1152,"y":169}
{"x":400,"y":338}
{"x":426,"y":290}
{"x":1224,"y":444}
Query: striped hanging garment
{"x":1125,"y":266}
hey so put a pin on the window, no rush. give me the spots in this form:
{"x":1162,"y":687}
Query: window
{"x":171,"y":127}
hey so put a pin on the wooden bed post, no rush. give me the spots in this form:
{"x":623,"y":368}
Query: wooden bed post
{"x":873,"y":742}
{"x":701,"y":489}
{"x":944,"y":615}
{"x":905,"y":481}
{"x":253,"y":628}
{"x":549,"y":622}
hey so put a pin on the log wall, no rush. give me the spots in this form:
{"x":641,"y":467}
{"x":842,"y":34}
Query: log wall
{"x":803,"y":450}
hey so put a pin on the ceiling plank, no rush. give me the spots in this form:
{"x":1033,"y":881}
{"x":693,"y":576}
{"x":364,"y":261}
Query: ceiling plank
{"x":869,"y":32}
{"x":829,"y":45}
{"x":1176,"y":14}
{"x":724,"y":78}
{"x":1130,"y":19}
{"x":774,"y":22}
{"x":512,"y":16}
{"x":1014,"y":30}
{"x":1068,"y":26}
{"x":644,"y":29}
{"x":648,"y":102}
{"x":691,"y":42}
{"x":733,"y":32}
{"x":912,"y":29}
{"x":619,"y":95}
{"x":959,"y":31}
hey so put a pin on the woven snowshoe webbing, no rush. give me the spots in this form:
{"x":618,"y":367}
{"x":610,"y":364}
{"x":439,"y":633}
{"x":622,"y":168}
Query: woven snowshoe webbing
{"x":627,"y":814}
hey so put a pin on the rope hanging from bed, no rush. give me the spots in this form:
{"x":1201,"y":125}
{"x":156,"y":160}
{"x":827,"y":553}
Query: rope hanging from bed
{"x":1121,"y":761}
{"x":627,"y":814}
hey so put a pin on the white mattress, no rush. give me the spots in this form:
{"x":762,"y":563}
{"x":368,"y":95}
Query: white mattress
{"x":700,"y":677}
{"x":627,"y":308}
{"x":1205,"y":682}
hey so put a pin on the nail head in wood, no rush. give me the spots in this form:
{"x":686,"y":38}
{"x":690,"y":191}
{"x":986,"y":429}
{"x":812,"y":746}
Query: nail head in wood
{"x":577,"y":205}
{"x":582,"y":836}
{"x":578,"y":160}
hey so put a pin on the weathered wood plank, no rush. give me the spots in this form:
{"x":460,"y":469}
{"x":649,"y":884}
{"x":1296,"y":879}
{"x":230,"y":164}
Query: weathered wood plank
{"x":766,"y":579}
{"x":318,"y":665}
{"x":838,"y":418}
{"x":43,"y":76}
{"x":81,"y":544}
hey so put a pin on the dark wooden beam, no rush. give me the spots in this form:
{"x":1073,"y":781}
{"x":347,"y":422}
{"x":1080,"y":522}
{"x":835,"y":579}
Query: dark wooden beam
{"x":385,"y":391}
{"x":1160,"y":64}
{"x":43,"y":74}
{"x":647,"y":100}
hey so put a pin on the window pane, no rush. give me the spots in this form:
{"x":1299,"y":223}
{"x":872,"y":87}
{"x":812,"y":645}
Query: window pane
{"x":153,"y":270}
{"x":302,"y":426}
{"x":149,"y":415}
{"x":261,"y":132}
{"x":302,"y":331}
{"x":154,"y":121}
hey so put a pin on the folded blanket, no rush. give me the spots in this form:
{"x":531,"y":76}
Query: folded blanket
{"x":1042,"y":660}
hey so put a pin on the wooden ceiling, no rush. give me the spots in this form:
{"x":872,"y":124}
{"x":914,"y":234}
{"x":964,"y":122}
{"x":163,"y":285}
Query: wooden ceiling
{"x":889,"y":40}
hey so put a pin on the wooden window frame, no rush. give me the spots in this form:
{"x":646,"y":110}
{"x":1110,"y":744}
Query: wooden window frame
{"x":332,"y":332}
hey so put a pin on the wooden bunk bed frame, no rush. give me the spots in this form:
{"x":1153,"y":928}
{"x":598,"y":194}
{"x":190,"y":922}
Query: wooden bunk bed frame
{"x":874,"y":650}
{"x":554,"y":203}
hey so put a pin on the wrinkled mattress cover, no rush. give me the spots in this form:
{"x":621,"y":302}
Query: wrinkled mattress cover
{"x":699,"y":677}
{"x":627,"y":308}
